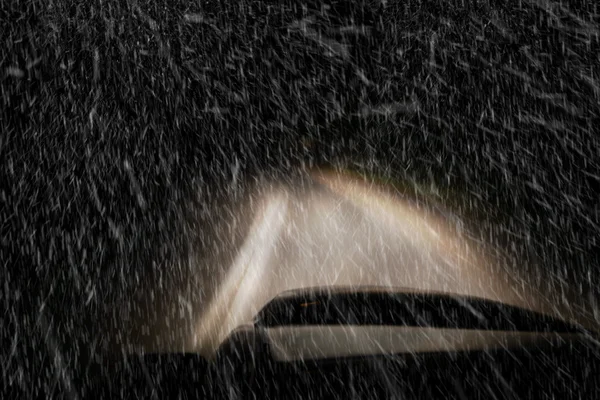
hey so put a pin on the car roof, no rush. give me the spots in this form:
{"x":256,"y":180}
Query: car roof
{"x":393,"y":291}
{"x":367,"y":289}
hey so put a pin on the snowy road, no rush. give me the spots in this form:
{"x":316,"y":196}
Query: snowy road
{"x":339,"y":230}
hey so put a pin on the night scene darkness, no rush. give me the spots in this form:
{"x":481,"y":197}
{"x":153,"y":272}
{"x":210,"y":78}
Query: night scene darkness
{"x":300,"y":199}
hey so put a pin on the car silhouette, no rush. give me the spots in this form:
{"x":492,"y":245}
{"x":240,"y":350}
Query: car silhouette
{"x":382,"y":342}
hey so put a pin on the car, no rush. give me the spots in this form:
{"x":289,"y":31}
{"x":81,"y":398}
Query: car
{"x":383,"y":342}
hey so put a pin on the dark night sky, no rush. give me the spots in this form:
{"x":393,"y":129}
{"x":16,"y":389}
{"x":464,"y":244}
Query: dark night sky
{"x":124,"y":123}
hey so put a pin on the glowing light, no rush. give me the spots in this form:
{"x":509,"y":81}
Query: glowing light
{"x":340,"y":231}
{"x":309,"y":304}
{"x":228,"y":309}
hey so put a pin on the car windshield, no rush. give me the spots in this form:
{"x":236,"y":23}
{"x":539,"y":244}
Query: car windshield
{"x":403,"y":309}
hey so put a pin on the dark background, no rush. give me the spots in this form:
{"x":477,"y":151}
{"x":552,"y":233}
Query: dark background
{"x":130,"y":131}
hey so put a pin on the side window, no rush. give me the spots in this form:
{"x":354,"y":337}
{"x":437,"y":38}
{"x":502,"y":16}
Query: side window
{"x":277,"y":312}
{"x":298,"y":312}
{"x":310,"y":311}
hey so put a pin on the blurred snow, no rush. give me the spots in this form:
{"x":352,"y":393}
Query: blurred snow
{"x":339,"y":230}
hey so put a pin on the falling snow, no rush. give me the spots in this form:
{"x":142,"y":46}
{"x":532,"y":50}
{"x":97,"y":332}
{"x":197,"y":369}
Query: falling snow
{"x":168,"y":168}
